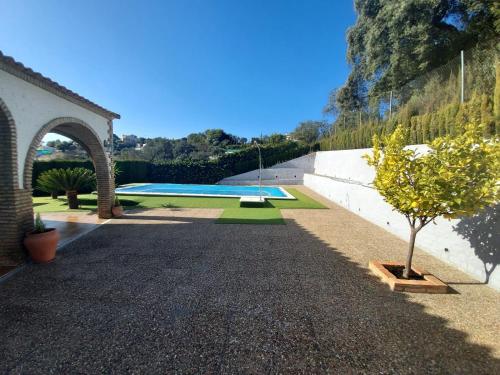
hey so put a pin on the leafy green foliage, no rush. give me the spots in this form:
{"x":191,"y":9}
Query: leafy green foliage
{"x":457,"y":177}
{"x":308,"y":131}
{"x":393,"y":42}
{"x":196,"y":146}
{"x":66,"y":179}
{"x":71,"y":180}
{"x":407,"y":53}
{"x":449,"y":119}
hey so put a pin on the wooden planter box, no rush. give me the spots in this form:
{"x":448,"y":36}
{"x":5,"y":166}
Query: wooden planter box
{"x":429,"y":284}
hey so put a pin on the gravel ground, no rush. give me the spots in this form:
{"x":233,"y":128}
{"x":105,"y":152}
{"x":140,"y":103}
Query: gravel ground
{"x":170,"y":291}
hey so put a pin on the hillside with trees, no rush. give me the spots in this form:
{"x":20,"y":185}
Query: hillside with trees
{"x":406,"y":69}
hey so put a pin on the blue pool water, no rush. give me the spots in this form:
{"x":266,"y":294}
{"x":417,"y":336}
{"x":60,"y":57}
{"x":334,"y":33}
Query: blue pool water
{"x":205,"y":190}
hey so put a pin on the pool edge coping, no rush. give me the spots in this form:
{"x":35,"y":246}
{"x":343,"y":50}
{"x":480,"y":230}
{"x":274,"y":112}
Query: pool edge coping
{"x":287,"y":196}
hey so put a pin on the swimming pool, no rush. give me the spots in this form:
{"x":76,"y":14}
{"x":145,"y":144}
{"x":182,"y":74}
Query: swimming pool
{"x":230,"y":191}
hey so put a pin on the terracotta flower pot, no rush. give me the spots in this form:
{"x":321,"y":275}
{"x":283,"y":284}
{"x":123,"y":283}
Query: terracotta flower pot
{"x":117,"y":211}
{"x":42,"y":246}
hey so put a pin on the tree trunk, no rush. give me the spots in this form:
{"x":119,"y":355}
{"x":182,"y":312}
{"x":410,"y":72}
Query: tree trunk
{"x":53,"y":194}
{"x":72,"y":199}
{"x":411,"y":246}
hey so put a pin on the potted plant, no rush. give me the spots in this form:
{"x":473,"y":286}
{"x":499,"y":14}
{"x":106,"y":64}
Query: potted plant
{"x":458,"y":176}
{"x":41,"y":242}
{"x":70,"y":180}
{"x":117,"y":209}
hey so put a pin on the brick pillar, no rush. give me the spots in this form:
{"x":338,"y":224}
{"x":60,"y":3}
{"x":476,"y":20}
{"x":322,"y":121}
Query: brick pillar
{"x":16,"y":212}
{"x":105,"y":186}
{"x":16,"y":218}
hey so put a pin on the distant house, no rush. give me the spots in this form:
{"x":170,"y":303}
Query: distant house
{"x":129,"y":139}
{"x":44,"y":151}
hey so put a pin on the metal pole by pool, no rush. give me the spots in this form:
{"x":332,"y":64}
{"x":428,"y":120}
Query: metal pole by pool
{"x":390,"y":106}
{"x":260,"y":171}
{"x":462,"y":76}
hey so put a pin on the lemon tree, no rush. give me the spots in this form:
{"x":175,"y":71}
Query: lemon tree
{"x":458,"y":176}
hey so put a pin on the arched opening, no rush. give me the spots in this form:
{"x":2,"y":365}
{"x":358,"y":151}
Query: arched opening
{"x":15,"y":206}
{"x":83,"y":134}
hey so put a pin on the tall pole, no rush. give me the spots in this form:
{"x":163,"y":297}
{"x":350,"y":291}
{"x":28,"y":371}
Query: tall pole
{"x":260,"y":171}
{"x":332,"y":130}
{"x":462,"y":76}
{"x":390,"y":106}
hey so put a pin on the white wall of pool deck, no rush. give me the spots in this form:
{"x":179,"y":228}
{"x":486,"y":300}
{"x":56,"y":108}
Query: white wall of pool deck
{"x":287,"y":173}
{"x":344,"y":177}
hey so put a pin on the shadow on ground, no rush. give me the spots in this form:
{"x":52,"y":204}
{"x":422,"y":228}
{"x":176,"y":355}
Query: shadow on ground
{"x":197,"y":297}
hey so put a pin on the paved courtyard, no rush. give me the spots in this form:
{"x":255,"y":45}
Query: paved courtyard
{"x":170,"y":291}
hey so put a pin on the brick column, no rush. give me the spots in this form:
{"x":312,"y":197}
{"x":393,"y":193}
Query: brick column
{"x":16,"y":211}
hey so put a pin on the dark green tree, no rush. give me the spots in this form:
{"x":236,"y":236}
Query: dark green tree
{"x":158,"y":149}
{"x":308,"y":131}
{"x":393,"y":42}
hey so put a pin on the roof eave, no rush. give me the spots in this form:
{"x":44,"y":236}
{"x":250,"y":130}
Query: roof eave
{"x":11,"y":66}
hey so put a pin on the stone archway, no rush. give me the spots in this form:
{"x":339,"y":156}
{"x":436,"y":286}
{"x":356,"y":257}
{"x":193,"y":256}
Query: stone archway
{"x":16,"y":212}
{"x":82,"y":133}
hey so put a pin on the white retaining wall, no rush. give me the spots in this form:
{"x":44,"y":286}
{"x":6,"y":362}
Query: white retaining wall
{"x":270,"y":176}
{"x":470,"y":244}
{"x":288,"y":173}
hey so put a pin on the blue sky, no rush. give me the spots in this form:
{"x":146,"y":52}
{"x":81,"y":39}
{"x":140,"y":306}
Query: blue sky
{"x":171,"y":68}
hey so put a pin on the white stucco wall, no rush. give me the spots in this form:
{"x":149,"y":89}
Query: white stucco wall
{"x":290,"y":172}
{"x":306,"y":163}
{"x":344,"y":178}
{"x":32,"y":107}
{"x":270,"y":176}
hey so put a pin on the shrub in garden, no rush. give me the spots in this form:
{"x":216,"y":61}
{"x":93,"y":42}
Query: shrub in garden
{"x":70,"y":180}
{"x":459,"y":176}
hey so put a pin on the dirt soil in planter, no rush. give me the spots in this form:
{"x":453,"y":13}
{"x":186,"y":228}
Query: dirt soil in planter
{"x":398,"y":272}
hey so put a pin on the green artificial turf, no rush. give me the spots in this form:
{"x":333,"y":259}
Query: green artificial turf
{"x":233,"y":214}
{"x":47,"y":204}
{"x":181,"y":202}
{"x":302,"y":201}
{"x":251,"y":216}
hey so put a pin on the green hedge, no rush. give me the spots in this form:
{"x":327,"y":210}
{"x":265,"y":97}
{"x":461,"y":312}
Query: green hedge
{"x":186,"y":171}
{"x":448,"y":120}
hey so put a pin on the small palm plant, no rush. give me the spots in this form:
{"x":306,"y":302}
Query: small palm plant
{"x":70,"y":180}
{"x":45,"y":184}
